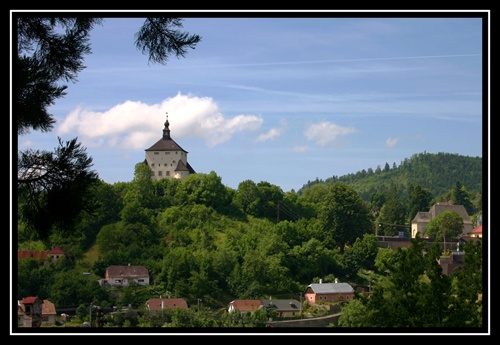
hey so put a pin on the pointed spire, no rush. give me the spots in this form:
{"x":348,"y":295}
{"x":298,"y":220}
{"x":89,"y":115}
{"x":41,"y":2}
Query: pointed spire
{"x":166,"y":130}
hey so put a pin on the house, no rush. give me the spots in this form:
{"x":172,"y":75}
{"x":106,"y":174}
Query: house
{"x":329,"y":292}
{"x":477,"y":232}
{"x":244,"y":306}
{"x":35,"y":312}
{"x":283,"y":307}
{"x":159,"y":304}
{"x":46,"y":256}
{"x":123,"y":275}
{"x":421,"y":219}
{"x":167,"y":159}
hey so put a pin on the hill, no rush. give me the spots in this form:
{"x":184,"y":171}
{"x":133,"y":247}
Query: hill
{"x":436,"y":172}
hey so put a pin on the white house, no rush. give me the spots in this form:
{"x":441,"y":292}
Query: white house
{"x":124,"y":275}
{"x":167,"y":159}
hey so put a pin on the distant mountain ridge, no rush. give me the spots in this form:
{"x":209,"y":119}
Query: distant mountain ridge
{"x":437,"y":172}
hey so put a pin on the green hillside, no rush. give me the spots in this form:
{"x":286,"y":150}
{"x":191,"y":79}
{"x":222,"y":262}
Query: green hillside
{"x":436,"y":172}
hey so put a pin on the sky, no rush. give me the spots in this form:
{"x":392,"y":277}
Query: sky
{"x":281,"y":97}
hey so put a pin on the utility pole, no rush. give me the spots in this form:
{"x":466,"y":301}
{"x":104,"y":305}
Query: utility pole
{"x":90,"y":313}
{"x":300,"y":298}
{"x":278,"y":212}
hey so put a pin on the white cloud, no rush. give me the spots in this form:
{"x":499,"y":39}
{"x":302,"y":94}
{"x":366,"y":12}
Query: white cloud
{"x":271,"y":134}
{"x":133,"y":124}
{"x":391,"y":142}
{"x":300,"y":149}
{"x":326,"y":132}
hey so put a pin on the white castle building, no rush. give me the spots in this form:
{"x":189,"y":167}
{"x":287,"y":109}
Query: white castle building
{"x":167,"y":159}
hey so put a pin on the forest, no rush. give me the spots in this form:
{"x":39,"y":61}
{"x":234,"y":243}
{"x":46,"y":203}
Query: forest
{"x":202,"y":240}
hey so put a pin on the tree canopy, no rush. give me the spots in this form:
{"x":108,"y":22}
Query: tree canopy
{"x":53,"y":187}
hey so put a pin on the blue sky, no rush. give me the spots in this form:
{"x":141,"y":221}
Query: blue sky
{"x":282,"y":100}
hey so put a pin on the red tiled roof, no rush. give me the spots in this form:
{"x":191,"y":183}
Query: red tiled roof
{"x":157,"y":304}
{"x":48,"y":307}
{"x":57,"y":250}
{"x":29,"y":300}
{"x":246,"y":304}
{"x":478,"y":230}
{"x":39,"y":254}
{"x":35,"y":254}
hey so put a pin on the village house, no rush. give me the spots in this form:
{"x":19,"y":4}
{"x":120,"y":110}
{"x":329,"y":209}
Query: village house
{"x":46,"y":257}
{"x":124,"y":275}
{"x":283,"y":307}
{"x":244,"y":306}
{"x":35,"y":312}
{"x":421,"y":219}
{"x":160,"y":304}
{"x":329,"y":292}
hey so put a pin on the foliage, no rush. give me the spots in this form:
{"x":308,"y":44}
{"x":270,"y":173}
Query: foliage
{"x":447,"y":224}
{"x":360,"y":256}
{"x":416,"y":294}
{"x":419,"y":199}
{"x":344,"y":216}
{"x":433,"y":172}
{"x":393,"y":215}
{"x":196,"y":249}
{"x":54,"y":187}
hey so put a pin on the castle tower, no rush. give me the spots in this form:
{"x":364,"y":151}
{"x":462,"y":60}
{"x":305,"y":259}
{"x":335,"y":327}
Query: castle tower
{"x":166,"y":158}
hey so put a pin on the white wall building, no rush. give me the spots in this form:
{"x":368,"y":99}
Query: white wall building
{"x":167,"y":159}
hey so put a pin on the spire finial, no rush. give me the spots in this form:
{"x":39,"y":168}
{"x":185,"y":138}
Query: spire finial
{"x":166,"y":130}
{"x":166,"y":122}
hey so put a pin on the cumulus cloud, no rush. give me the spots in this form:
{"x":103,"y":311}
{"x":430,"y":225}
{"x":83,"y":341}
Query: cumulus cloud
{"x":391,"y":142}
{"x":269,"y":135}
{"x":326,"y":132}
{"x":134,"y":125}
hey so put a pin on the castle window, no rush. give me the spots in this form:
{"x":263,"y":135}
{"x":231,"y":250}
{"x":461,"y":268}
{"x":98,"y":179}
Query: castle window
{"x":165,"y":164}
{"x":168,"y":173}
{"x":152,"y":164}
{"x":157,"y":153}
{"x":152,"y":173}
{"x":159,"y":173}
{"x":167,"y":152}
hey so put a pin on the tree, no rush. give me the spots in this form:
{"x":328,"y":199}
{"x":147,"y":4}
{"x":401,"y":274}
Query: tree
{"x":393,"y":214}
{"x":448,"y":223}
{"x":420,"y":199}
{"x":361,"y":255}
{"x":413,"y":293}
{"x":460,"y":196}
{"x":50,"y":51}
{"x":344,"y":216}
{"x":468,"y":288}
{"x":54,"y":188}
